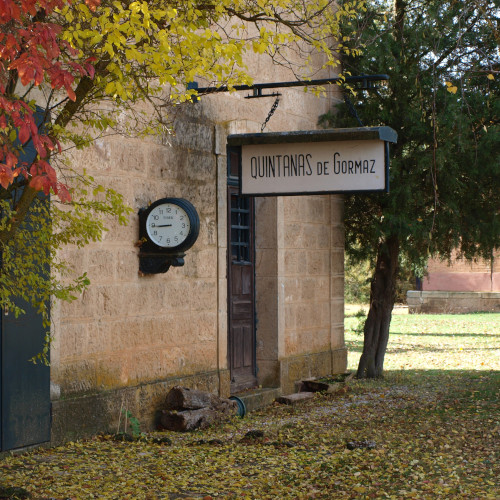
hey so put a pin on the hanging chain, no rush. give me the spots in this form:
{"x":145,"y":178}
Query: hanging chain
{"x":271,"y":113}
{"x":352,"y":109}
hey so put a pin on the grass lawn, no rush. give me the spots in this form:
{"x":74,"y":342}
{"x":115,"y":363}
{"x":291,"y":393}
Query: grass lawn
{"x":430,"y":429}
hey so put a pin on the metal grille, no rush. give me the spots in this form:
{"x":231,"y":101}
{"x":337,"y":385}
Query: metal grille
{"x":240,"y":228}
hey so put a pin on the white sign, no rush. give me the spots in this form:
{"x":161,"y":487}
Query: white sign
{"x":313,"y":167}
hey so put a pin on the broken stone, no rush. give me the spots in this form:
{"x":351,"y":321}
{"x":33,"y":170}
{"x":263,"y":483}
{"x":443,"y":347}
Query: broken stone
{"x":183,"y":398}
{"x":189,"y":409}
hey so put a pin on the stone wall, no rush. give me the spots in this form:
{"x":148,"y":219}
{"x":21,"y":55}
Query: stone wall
{"x":435,"y":302}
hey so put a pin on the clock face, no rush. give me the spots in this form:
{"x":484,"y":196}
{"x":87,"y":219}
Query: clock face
{"x":168,"y":225}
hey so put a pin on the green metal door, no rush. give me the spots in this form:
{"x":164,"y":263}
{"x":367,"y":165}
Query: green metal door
{"x":24,"y":386}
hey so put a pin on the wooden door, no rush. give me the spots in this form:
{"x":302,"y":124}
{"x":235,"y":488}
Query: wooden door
{"x":241,"y":291}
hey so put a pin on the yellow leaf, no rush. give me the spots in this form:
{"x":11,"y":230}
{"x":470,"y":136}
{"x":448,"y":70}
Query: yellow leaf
{"x":452,"y":89}
{"x":491,"y":76}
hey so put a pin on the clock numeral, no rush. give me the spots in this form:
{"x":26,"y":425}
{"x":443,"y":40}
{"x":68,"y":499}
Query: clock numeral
{"x":156,"y":217}
{"x":183,"y":225}
{"x":155,"y":232}
{"x":168,"y":210}
{"x":168,"y":240}
{"x":176,"y":239}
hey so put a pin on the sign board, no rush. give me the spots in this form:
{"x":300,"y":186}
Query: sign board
{"x":324,"y":161}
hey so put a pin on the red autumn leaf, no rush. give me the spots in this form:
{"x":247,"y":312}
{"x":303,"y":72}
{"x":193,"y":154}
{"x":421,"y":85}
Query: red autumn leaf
{"x":24,"y":133}
{"x":92,"y":4}
{"x":11,"y":160}
{"x":63,"y":193}
{"x":71,"y":93}
{"x":90,"y":70}
{"x":6,"y":176}
{"x":37,"y":183}
{"x":8,"y":11}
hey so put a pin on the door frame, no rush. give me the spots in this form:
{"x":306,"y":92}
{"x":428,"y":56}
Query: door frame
{"x":233,"y":186}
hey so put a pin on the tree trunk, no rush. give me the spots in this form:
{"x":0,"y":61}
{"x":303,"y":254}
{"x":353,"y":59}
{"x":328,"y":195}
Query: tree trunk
{"x":382,"y":296}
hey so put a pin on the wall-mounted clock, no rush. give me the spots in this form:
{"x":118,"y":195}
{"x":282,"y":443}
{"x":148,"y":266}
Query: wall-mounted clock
{"x":167,"y":228}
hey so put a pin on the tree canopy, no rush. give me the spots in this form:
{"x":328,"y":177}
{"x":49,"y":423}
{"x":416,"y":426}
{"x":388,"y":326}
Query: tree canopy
{"x":443,"y":100}
{"x":95,"y":66}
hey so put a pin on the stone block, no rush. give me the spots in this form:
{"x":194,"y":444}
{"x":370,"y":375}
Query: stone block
{"x":293,"y":399}
{"x":337,"y":261}
{"x":337,"y":334}
{"x":75,"y":376}
{"x":266,"y":262}
{"x":337,"y":310}
{"x":167,"y":163}
{"x":337,"y":209}
{"x":294,"y":261}
{"x":129,"y":156}
{"x":337,"y":286}
{"x":315,"y":289}
{"x":339,"y":360}
{"x":265,"y":222}
{"x":323,"y":239}
{"x":337,"y":236}
{"x":201,"y":167}
{"x":220,"y":139}
{"x":294,"y":235}
{"x":293,"y":289}
{"x":194,"y":136}
{"x":111,"y":371}
{"x":100,"y":264}
{"x":203,"y":295}
{"x":318,"y":262}
{"x":204,"y":326}
{"x":73,"y":338}
{"x":266,"y":300}
{"x":126,"y":264}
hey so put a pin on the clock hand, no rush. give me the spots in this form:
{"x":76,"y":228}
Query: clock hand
{"x":163,"y":225}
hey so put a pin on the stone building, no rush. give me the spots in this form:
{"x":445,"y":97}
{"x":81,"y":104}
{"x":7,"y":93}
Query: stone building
{"x":131,"y":337}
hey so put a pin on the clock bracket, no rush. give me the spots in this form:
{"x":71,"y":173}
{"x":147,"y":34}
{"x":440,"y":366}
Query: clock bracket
{"x":156,"y":263}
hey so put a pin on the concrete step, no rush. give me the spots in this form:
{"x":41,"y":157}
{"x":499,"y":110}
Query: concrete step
{"x":258,"y":398}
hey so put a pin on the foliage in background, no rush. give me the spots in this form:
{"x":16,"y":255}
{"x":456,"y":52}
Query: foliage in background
{"x":443,"y":101}
{"x":356,"y":280}
{"x":358,"y":275}
{"x":433,"y":421}
{"x":98,"y":67}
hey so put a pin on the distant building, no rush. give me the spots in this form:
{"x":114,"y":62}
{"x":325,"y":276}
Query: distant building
{"x":459,"y":286}
{"x":463,"y":276}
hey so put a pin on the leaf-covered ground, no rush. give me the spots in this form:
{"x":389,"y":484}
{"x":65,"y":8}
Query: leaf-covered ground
{"x":434,"y":420}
